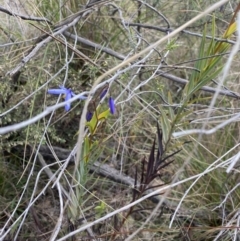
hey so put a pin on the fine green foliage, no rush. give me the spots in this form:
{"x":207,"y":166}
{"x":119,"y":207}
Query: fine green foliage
{"x":208,"y":66}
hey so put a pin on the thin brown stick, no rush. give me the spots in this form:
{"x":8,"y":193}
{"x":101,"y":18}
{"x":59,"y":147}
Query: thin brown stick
{"x":95,"y":45}
{"x":204,"y":88}
{"x":166,"y":30}
{"x":24,"y":17}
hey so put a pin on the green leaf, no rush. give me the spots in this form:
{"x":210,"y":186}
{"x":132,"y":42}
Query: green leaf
{"x":104,"y":115}
{"x":171,"y":112}
{"x":86,"y":149}
{"x":165,"y":124}
{"x":92,"y":124}
{"x":209,"y":68}
{"x":100,"y":209}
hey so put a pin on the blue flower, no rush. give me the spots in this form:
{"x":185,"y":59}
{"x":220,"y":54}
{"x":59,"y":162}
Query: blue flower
{"x":111,"y":105}
{"x":68,"y":95}
{"x":89,"y":116}
{"x":104,"y":92}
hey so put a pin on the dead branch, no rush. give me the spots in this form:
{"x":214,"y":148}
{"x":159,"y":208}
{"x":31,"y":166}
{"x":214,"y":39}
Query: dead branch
{"x":169,"y":30}
{"x":24,"y":17}
{"x":204,"y":88}
{"x":95,"y":45}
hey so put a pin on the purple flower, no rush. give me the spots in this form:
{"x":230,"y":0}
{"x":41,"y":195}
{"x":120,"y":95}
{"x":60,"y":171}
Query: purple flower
{"x":111,"y":105}
{"x":104,"y":92}
{"x":68,"y":95}
{"x":89,"y":116}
